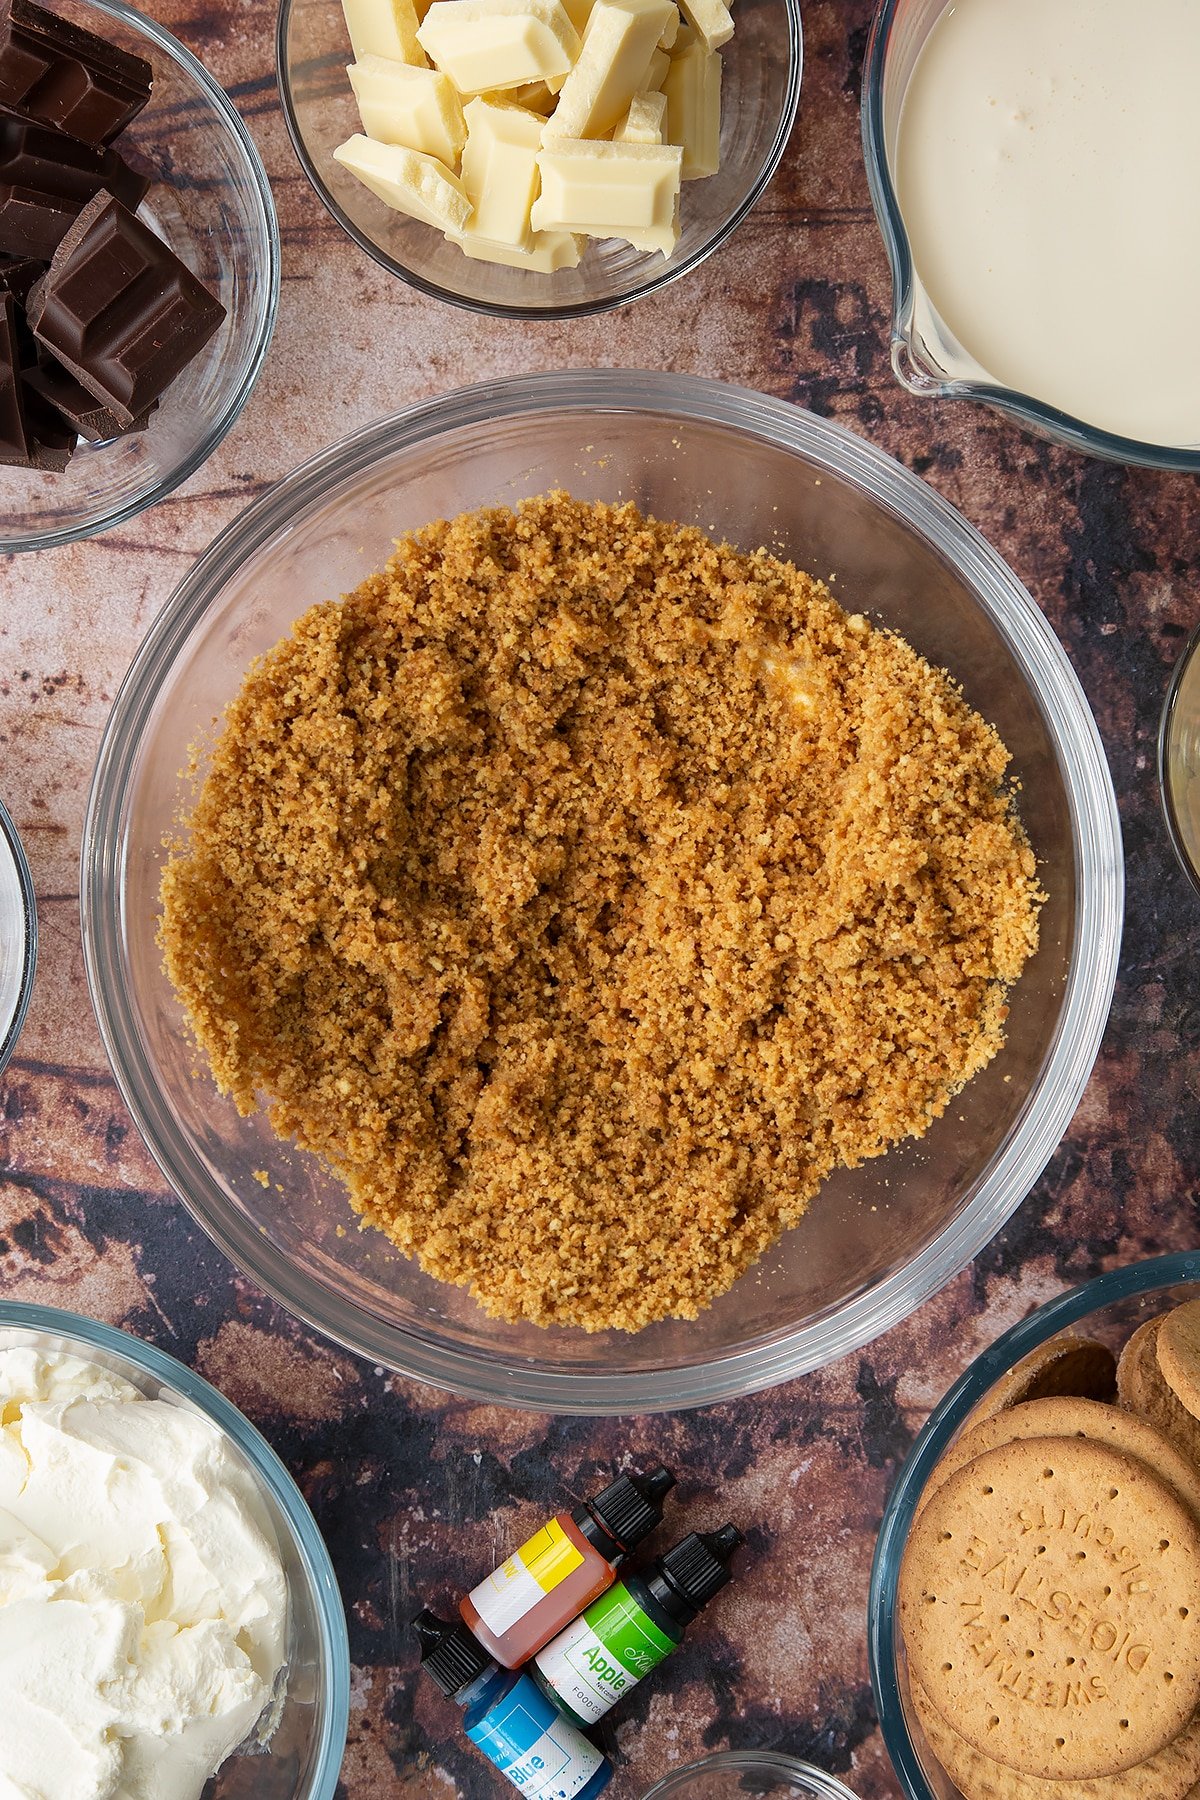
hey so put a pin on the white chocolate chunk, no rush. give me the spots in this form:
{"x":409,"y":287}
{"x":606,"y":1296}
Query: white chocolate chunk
{"x":408,"y":182}
{"x":656,"y":74}
{"x":610,"y":190}
{"x":644,"y":122}
{"x":711,"y":18}
{"x":493,"y":44}
{"x":671,"y":32}
{"x":621,"y":38}
{"x":663,"y":237}
{"x":384,"y":28}
{"x":534,"y":95}
{"x":418,"y":108}
{"x":693,"y":90}
{"x":500,"y":172}
{"x":548,"y":251}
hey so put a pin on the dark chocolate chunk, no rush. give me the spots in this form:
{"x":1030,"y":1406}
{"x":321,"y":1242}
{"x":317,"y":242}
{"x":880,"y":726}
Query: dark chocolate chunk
{"x":88,"y":417}
{"x":52,"y":441}
{"x":17,"y":276}
{"x":14,"y":432}
{"x":46,"y":178}
{"x":63,"y":75}
{"x":119,"y":309}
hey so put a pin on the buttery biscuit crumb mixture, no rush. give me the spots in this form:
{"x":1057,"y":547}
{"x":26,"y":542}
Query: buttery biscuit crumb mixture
{"x":584,"y":891}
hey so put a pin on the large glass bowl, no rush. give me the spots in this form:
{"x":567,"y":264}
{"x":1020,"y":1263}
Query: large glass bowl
{"x":926,"y":357}
{"x":756,"y":471}
{"x":1109,"y":1308}
{"x":1179,"y":759}
{"x":760,"y":93}
{"x":18,"y":937}
{"x":305,"y":1752}
{"x":211,"y":202}
{"x":743,"y":1774}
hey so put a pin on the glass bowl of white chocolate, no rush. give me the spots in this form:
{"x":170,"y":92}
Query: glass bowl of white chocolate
{"x":170,"y":1622}
{"x":539,"y":158}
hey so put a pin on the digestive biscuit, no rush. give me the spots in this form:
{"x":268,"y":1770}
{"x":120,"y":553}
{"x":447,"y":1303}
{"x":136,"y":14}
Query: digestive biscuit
{"x":1071,"y":1418}
{"x":1174,"y":1774}
{"x":1143,"y":1388}
{"x":1066,"y":1365}
{"x":1178,"y":1347}
{"x":1050,"y":1605}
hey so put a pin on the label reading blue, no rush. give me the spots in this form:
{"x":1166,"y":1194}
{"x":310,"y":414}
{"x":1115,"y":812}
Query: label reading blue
{"x":530,"y":1742}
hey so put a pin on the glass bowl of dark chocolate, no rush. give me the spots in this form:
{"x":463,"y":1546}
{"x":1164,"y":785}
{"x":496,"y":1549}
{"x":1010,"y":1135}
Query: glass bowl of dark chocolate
{"x":139,"y":268}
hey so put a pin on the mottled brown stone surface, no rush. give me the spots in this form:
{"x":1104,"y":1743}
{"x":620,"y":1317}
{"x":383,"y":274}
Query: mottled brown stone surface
{"x":411,"y":1487}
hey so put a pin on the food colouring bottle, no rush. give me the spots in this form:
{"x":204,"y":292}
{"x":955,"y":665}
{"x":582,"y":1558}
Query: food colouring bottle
{"x":627,"y":1632}
{"x":569,"y":1563}
{"x":510,"y":1720}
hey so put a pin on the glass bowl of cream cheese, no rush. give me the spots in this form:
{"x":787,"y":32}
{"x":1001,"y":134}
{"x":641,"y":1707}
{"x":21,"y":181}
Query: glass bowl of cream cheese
{"x":1027,"y":165}
{"x":170,"y":1623}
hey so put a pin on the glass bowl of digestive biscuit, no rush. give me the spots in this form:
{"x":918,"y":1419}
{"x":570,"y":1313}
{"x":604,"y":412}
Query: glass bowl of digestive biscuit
{"x":621,"y":1067}
{"x":140,"y":273}
{"x":1091,"y":1406}
{"x":706,"y":120}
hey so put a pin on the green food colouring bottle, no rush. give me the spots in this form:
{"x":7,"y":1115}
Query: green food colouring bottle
{"x":589,"y":1667}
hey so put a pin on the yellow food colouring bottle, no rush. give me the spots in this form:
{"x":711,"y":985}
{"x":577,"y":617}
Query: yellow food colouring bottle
{"x":569,"y":1563}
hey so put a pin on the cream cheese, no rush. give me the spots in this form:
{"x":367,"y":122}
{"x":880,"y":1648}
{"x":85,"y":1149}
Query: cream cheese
{"x":1046,"y":171}
{"x":143,"y":1606}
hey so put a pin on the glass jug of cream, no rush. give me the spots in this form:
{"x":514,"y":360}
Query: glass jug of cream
{"x":1032,"y":163}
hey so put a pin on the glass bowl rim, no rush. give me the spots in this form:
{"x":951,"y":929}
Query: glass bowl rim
{"x":222,"y":106}
{"x":1165,"y":793}
{"x":1046,"y":419}
{"x":269,"y":1468}
{"x":1046,"y":1321}
{"x":12,"y":841}
{"x":576,"y":309}
{"x":1017,"y":1161}
{"x":753,"y":1762}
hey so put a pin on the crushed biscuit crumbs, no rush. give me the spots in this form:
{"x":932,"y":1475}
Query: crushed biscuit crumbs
{"x":584,"y":891}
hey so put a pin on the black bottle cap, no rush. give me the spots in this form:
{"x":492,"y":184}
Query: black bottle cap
{"x":630,"y":1508}
{"x":695,"y":1570}
{"x":449,"y":1654}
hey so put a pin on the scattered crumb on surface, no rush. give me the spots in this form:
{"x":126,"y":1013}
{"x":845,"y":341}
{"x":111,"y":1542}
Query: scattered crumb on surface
{"x":584,"y":892}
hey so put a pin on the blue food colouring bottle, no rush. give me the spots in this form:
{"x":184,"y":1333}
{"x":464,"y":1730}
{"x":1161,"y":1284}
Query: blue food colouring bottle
{"x":509,"y":1719}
